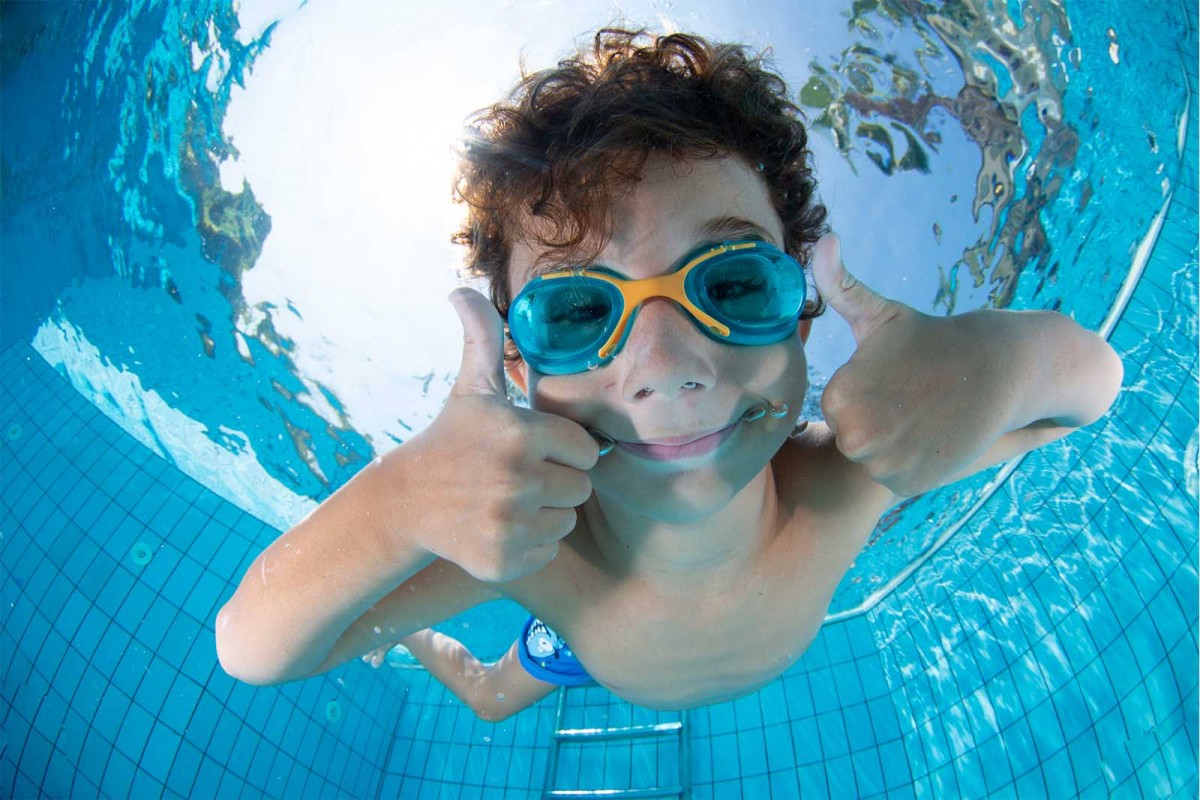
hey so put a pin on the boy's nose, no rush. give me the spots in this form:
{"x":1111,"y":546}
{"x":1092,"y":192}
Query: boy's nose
{"x":665,"y":354}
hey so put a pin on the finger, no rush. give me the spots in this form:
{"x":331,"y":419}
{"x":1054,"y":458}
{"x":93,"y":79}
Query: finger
{"x":563,"y":487}
{"x":482,"y":368}
{"x":564,"y":441}
{"x":852,"y":299}
{"x":552,"y":524}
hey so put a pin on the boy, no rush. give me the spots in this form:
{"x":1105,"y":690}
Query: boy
{"x":660,"y":506}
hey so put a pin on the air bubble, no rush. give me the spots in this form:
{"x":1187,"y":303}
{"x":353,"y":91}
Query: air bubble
{"x":499,"y":695}
{"x":591,"y":365}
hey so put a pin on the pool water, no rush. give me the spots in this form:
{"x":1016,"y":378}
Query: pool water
{"x":1031,"y":632}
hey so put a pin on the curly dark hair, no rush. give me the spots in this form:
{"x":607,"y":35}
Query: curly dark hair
{"x":568,"y":140}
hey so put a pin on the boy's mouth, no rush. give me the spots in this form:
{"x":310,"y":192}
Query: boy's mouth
{"x":679,"y":447}
{"x":677,"y":441}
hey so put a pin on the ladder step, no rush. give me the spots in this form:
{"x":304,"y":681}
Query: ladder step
{"x":630,"y":794}
{"x":634,"y":732}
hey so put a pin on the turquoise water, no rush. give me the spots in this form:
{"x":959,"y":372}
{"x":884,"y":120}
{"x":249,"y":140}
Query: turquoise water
{"x":1046,"y":648}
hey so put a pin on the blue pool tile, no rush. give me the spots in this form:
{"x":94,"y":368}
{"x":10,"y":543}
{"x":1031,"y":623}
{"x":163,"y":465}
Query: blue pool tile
{"x":1172,"y":621}
{"x":183,"y":580}
{"x":837,"y":641}
{"x":1183,"y":661}
{"x":958,"y":731}
{"x":208,"y":503}
{"x":874,"y":684}
{"x":1147,"y":646}
{"x":993,"y":761}
{"x":1097,"y":688}
{"x":850,"y":683}
{"x":721,"y":719}
{"x":160,"y":752}
{"x":1059,"y":775}
{"x":131,"y":668}
{"x":784,"y":786}
{"x":725,"y":760}
{"x":780,"y":753}
{"x":156,"y":684}
{"x":752,"y":751}
{"x":1163,"y":691}
{"x":833,"y":735}
{"x":758,"y":786}
{"x":110,"y":712}
{"x":258,"y":774}
{"x":824,"y":692}
{"x":1021,"y":746}
{"x":1072,"y":710}
{"x":1006,"y":703}
{"x":231,"y":785}
{"x":772,"y":704}
{"x":747,"y":712}
{"x":59,"y":776}
{"x":806,"y":740}
{"x":170,"y":511}
{"x":1031,"y":685}
{"x":1084,"y":753}
{"x":1180,"y":761}
{"x":1152,"y":777}
{"x":188,"y":528}
{"x":1139,"y":717}
{"x":135,"y":731}
{"x":799,"y":697}
{"x":117,"y":583}
{"x":228,"y":515}
{"x":118,"y":776}
{"x":858,"y":727}
{"x":839,"y":772}
{"x":895,"y":765}
{"x":868,"y":773}
{"x":183,"y":702}
{"x":945,"y":782}
{"x":85,"y":563}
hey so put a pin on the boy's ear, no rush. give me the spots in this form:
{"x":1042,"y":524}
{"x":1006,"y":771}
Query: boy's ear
{"x":805,"y":328}
{"x":518,"y":373}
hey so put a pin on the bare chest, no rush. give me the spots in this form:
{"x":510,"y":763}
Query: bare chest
{"x":683,"y":649}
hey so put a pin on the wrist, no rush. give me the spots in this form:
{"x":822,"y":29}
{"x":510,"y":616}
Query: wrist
{"x":1070,"y":375}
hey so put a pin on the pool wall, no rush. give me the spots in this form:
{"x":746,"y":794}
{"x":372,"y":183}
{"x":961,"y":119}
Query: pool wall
{"x":1011,"y":664}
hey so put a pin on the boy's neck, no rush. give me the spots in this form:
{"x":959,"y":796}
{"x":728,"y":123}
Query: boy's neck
{"x":673,"y":556}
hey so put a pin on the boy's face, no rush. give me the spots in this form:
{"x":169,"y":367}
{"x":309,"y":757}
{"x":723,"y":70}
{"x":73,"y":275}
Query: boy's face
{"x":670,"y":380}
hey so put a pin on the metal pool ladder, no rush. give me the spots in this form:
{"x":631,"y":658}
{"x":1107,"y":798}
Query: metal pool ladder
{"x":585,"y":736}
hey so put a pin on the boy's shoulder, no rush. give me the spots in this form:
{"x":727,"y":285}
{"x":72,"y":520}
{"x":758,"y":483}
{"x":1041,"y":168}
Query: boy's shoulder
{"x":814,"y":477}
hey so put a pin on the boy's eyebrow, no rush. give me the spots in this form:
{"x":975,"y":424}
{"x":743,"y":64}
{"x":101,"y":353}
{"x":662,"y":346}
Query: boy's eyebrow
{"x":716,"y":229}
{"x":721,"y":228}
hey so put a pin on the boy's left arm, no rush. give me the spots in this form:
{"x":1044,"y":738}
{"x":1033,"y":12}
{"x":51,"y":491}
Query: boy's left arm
{"x":925,"y":401}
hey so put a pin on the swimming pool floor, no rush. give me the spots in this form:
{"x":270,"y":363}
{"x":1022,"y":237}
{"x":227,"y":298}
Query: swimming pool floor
{"x":1049,"y":650}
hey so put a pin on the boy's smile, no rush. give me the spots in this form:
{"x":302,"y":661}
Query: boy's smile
{"x":672,"y":397}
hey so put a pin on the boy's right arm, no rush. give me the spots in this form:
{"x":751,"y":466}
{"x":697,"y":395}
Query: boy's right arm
{"x":487,"y":486}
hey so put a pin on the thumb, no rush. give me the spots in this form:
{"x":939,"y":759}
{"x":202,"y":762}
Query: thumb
{"x":857,"y":303}
{"x":482,"y":368}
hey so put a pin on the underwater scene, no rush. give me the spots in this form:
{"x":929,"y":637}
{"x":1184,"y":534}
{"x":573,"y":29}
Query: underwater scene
{"x":225,"y":231}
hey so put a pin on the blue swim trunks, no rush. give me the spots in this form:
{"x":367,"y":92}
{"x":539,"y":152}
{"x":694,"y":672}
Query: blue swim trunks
{"x":547,"y":657}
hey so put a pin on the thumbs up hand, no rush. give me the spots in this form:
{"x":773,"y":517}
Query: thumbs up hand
{"x":496,"y":486}
{"x":922,"y":397}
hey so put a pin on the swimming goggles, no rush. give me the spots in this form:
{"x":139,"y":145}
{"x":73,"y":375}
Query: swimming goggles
{"x":576,"y":319}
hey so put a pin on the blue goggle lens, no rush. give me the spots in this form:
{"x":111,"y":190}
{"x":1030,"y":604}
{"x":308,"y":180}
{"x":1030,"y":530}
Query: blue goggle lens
{"x":559,"y":325}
